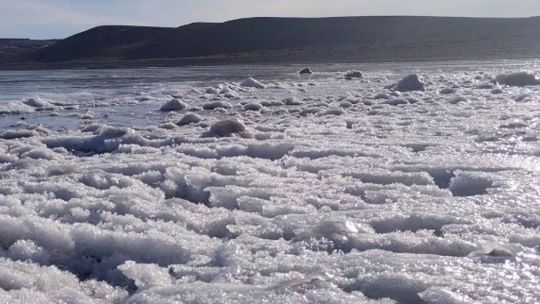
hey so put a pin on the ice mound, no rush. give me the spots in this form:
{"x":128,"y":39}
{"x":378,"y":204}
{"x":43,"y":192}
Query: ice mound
{"x":146,"y":276}
{"x":305,"y":71}
{"x":457,"y":99}
{"x":15,"y":108}
{"x":518,"y":79}
{"x":253,"y":106}
{"x":252,"y":83}
{"x":497,"y":91}
{"x":105,"y":139}
{"x":292,"y":101}
{"x":190,"y":118}
{"x":18,"y":133}
{"x":311,"y":111}
{"x":216,"y":105}
{"x":174,"y":105}
{"x":39,"y":104}
{"x":395,"y":101}
{"x":496,"y":251}
{"x":447,"y":91}
{"x":227,"y":128}
{"x":409,"y":83}
{"x":469,"y":184}
{"x":399,"y":287}
{"x":336,"y":112}
{"x":271,"y":103}
{"x":353,"y":75}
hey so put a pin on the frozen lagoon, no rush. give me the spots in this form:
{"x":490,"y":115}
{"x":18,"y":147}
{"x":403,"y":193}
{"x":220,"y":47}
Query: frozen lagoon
{"x":328,"y":190}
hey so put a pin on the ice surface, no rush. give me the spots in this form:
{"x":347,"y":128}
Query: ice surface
{"x":311,"y":190}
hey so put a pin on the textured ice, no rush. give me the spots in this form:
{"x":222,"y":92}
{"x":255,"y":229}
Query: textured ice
{"x":313,"y":190}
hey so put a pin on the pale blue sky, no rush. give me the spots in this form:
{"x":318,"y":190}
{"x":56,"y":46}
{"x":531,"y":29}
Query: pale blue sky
{"x":61,"y":18}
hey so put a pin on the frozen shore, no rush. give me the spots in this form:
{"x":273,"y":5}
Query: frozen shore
{"x":304,"y":189}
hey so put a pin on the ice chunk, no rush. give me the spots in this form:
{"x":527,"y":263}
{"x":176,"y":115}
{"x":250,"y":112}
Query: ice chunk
{"x":469,"y":184}
{"x":226,"y":128}
{"x":353,"y":75}
{"x":15,"y":108}
{"x":292,"y":101}
{"x":395,"y":101}
{"x":174,"y":105}
{"x":252,"y":83}
{"x":189,"y":118}
{"x":497,"y":250}
{"x":18,"y":133}
{"x":410,"y":83}
{"x":446,"y":91}
{"x":457,"y":99}
{"x":27,"y":250}
{"x":253,"y":106}
{"x":518,"y":79}
{"x":216,"y":105}
{"x":305,"y":71}
{"x":336,"y":112}
{"x":146,"y":275}
{"x":399,"y":287}
{"x":437,"y":295}
{"x":39,"y":104}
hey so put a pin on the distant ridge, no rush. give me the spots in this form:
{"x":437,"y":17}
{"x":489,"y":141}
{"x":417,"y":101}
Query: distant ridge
{"x":269,"y":39}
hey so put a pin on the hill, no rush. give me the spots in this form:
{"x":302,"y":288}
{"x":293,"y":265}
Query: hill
{"x":261,"y":40}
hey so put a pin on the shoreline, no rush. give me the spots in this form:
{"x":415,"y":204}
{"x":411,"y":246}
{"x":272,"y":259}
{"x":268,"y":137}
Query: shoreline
{"x":246,"y":61}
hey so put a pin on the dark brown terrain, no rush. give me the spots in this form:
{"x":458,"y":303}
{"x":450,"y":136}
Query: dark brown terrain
{"x":283,"y":40}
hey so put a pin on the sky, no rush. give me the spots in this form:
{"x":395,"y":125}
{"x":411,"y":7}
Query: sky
{"x":43,"y":19}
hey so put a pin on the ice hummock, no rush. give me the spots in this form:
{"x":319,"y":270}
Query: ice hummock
{"x":252,"y":83}
{"x":174,"y":105}
{"x":410,"y":83}
{"x":518,"y":79}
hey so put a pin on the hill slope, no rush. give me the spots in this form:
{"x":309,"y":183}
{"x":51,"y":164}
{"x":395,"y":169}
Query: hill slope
{"x":297,"y":39}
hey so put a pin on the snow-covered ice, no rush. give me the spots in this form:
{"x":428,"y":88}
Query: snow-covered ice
{"x":311,"y":190}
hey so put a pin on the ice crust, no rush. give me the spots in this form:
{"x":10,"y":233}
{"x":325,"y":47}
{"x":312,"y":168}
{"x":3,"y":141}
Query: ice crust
{"x":313,"y":190}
